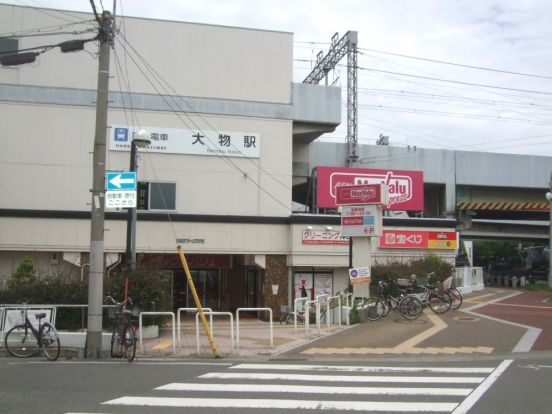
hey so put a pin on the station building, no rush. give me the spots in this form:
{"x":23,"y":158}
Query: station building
{"x":230,"y":141}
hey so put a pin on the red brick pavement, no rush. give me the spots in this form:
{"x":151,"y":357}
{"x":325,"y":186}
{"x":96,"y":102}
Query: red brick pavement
{"x":527,"y":308}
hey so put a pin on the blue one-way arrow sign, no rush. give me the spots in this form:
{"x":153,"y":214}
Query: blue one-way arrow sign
{"x":122,"y":180}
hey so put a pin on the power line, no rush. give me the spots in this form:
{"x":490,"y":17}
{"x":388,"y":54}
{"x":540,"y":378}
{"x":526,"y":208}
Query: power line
{"x":174,"y":109}
{"x":459,"y":64}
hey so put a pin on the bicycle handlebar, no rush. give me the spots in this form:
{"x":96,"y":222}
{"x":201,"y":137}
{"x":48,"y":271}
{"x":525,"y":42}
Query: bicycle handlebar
{"x":110,"y":298}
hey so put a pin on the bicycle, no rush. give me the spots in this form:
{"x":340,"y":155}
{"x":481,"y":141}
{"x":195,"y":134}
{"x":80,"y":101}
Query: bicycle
{"x":455,"y":294}
{"x":410,"y":307}
{"x":438,"y":303}
{"x":288,"y":316}
{"x":123,"y":337}
{"x":25,"y":340}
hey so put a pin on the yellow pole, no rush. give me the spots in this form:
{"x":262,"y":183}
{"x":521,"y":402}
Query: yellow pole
{"x":198,"y":303}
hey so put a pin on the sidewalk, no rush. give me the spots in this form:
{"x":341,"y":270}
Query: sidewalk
{"x":254,"y":339}
{"x":493,"y":321}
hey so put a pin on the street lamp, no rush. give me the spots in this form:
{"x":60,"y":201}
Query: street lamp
{"x":139,"y":140}
{"x":549,"y":198}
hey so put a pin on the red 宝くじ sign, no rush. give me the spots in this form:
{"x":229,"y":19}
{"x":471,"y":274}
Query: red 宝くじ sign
{"x":405,"y":188}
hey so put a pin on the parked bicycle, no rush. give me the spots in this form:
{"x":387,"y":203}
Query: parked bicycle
{"x":25,"y":340}
{"x":410,"y":307}
{"x":288,"y":316}
{"x":438,"y":303}
{"x":123,"y":336}
{"x":455,"y":294}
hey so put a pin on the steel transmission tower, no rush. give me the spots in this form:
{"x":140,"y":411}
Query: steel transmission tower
{"x":347,"y":45}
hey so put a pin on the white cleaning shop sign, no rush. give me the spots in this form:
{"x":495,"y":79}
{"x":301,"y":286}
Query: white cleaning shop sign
{"x":188,"y":141}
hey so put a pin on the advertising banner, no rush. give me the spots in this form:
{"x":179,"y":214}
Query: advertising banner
{"x":360,"y":275}
{"x":414,"y":239}
{"x":405,"y":188}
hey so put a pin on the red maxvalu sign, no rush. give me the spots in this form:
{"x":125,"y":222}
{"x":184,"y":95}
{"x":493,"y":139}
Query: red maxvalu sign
{"x":359,"y":194}
{"x":412,"y":239}
{"x":405,"y":188}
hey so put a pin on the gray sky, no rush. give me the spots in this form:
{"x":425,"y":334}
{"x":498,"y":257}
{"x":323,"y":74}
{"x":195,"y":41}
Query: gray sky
{"x":414,"y":100}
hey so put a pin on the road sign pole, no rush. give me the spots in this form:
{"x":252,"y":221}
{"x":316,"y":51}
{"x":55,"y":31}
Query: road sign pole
{"x":130,"y":254}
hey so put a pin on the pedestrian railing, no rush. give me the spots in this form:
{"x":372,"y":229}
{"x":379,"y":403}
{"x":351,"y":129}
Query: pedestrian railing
{"x":270,"y":327}
{"x":215,"y":314}
{"x":171,"y":314}
{"x":179,"y":327}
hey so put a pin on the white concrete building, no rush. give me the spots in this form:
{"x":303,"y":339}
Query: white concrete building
{"x":229,"y":131}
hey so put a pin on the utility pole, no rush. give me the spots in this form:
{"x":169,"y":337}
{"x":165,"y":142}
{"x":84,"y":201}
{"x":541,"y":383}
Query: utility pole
{"x":95,"y":280}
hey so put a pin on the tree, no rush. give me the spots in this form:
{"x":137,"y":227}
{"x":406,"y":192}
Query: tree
{"x":25,"y":274}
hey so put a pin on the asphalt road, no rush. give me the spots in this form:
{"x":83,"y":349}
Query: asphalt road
{"x":451,"y":385}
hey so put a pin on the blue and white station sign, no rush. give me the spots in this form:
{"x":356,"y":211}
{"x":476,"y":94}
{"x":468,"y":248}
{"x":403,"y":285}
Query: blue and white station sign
{"x":120,"y":180}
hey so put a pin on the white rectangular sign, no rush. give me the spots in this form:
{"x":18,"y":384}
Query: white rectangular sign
{"x":360,"y":275}
{"x":361,"y":221}
{"x":120,"y":199}
{"x":188,"y":141}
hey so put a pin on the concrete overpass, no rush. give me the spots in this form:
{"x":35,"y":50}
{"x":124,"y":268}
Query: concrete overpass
{"x":491,"y":195}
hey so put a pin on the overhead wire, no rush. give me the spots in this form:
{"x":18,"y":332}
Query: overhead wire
{"x":178,"y":110}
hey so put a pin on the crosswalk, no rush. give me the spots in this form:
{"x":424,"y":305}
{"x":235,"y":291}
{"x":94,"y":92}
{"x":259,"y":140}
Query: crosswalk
{"x":266,"y":387}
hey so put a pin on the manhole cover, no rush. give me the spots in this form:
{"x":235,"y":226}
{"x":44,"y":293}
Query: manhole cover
{"x":466,"y":318}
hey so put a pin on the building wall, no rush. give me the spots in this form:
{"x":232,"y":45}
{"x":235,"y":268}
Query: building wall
{"x":195,"y":59}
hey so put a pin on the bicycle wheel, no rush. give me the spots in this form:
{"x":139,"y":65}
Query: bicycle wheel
{"x":440,"y":304}
{"x":129,"y":343}
{"x":374,"y":309}
{"x":50,"y":341}
{"x":388,"y":304}
{"x":457,"y":298}
{"x":21,"y":342}
{"x":116,"y":341}
{"x":411,"y":308}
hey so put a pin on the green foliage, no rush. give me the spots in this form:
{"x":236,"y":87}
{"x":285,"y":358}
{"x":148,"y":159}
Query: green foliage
{"x":421,"y":268}
{"x":149,"y":288}
{"x":486,"y":250}
{"x":25,"y":274}
{"x":353,"y":315}
{"x":56,"y":289}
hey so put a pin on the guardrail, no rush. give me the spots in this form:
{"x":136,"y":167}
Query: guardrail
{"x":296,"y":309}
{"x":316,"y":303}
{"x":469,"y":279}
{"x":269,"y":310}
{"x":179,"y":310}
{"x":158,"y":313}
{"x":216,"y":314}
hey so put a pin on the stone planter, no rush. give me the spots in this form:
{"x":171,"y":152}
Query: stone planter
{"x":149,"y":332}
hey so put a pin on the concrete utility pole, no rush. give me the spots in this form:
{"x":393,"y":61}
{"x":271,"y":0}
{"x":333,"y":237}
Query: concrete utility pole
{"x":95,"y":279}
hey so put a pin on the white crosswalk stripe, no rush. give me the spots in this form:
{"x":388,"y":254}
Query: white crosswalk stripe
{"x":326,"y":387}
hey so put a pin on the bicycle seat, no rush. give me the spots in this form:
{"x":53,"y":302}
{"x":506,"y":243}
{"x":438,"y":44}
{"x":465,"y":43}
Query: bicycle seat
{"x":39,"y":316}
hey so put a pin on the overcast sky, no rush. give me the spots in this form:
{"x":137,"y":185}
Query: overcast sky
{"x":403,"y":92}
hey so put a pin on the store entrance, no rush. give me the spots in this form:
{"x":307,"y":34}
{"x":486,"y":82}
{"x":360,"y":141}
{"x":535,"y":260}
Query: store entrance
{"x":207,"y":285}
